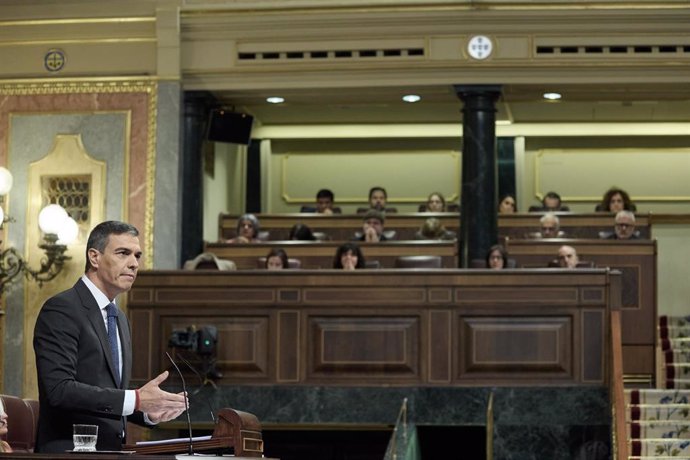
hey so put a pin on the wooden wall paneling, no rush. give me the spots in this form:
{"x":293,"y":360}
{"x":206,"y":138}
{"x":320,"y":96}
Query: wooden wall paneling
{"x":593,"y":345}
{"x":288,"y":346}
{"x":343,"y":346}
{"x":384,"y":327}
{"x":493,"y":346}
{"x":636,"y":260}
{"x":440,"y":346}
{"x":142,"y":344}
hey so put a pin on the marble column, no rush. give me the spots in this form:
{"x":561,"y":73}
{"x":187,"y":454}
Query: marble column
{"x":478,"y":221}
{"x":197,"y":105}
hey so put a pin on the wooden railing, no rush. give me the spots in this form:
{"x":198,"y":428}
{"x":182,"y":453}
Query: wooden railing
{"x":619,"y":440}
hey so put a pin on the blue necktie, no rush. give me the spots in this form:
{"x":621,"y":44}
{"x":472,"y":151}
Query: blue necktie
{"x":111,"y":310}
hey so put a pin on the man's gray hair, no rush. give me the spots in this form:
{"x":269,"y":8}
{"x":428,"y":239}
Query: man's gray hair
{"x":550,"y":216}
{"x":625,"y":213}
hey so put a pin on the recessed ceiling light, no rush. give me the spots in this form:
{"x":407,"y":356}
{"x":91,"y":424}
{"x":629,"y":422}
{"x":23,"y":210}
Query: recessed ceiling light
{"x":552,"y":96}
{"x":411,"y":98}
{"x":275,"y":100}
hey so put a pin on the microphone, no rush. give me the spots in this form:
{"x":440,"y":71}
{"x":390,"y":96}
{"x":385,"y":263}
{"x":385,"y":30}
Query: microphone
{"x":186,"y":405}
{"x":201,"y":384}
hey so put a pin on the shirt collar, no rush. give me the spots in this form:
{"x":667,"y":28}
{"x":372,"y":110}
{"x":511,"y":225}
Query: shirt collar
{"x":101,"y":299}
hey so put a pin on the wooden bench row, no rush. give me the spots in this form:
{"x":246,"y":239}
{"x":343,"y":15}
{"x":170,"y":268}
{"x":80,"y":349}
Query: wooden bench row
{"x":343,"y":227}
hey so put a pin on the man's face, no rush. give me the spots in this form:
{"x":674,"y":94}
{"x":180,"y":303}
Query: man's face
{"x":374,"y":223}
{"x":625,"y":227}
{"x":323,"y":203}
{"x":115,"y":269}
{"x":377,"y":200}
{"x":549,"y":229}
{"x":567,"y":257}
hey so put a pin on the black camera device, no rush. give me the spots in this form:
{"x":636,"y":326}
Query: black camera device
{"x":201,"y":341}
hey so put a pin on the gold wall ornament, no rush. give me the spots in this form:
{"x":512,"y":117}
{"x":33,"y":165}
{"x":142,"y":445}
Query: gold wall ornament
{"x":54,"y":60}
{"x":67,"y":158}
{"x":140,"y":155}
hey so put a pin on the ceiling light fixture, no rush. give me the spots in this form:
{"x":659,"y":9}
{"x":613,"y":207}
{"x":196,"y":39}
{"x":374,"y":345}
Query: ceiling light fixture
{"x":552,"y":96}
{"x":411,"y":98}
{"x":275,"y":100}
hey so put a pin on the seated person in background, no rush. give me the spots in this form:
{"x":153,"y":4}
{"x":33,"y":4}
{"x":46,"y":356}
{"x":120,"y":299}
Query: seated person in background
{"x":324,"y":203}
{"x":301,"y":232}
{"x":550,"y":226}
{"x":277,"y":259}
{"x":348,"y":257}
{"x":551,"y":202}
{"x":567,"y":257}
{"x":4,"y":446}
{"x":372,"y":227}
{"x":377,"y":201}
{"x":432,"y":229}
{"x":497,"y":257}
{"x":247,"y":229}
{"x":434,"y":203}
{"x":624,"y":227}
{"x":209,"y":261}
{"x":507,"y":204}
{"x":615,"y":200}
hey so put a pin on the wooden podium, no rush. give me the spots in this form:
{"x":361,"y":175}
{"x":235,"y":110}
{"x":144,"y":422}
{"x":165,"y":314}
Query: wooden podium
{"x":237,"y":430}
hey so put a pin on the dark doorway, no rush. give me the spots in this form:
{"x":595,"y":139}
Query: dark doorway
{"x":326,"y":444}
{"x":452,"y":442}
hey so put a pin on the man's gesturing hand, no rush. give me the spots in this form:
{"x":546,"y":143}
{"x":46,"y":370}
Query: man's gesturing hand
{"x":153,"y":400}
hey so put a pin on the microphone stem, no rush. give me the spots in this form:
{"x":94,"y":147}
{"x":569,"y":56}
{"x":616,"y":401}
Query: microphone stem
{"x":186,"y":404}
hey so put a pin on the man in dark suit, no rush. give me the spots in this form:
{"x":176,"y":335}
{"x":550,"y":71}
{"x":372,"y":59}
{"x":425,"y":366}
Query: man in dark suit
{"x":83,"y":351}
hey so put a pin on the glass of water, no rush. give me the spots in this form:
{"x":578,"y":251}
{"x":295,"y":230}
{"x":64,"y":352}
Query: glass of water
{"x":85,"y":437}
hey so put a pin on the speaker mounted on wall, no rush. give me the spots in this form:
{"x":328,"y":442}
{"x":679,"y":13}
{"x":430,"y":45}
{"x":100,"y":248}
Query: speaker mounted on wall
{"x":228,"y":126}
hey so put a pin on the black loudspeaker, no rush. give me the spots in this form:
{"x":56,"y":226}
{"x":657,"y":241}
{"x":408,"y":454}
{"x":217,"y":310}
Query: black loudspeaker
{"x":224,"y":126}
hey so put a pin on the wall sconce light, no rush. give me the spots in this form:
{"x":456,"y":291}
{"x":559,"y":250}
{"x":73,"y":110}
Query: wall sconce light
{"x":58,"y":229}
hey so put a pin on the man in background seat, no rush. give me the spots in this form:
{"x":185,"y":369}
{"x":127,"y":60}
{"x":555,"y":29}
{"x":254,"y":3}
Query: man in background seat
{"x":324,"y":203}
{"x":624,"y":227}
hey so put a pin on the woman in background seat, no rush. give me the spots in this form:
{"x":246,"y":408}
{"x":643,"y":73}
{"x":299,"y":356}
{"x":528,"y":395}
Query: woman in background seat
{"x":247,"y":230}
{"x":349,"y":257}
{"x":301,"y":232}
{"x":4,"y":447}
{"x":277,"y":259}
{"x":507,"y":204}
{"x":497,"y":257}
{"x":614,"y":200}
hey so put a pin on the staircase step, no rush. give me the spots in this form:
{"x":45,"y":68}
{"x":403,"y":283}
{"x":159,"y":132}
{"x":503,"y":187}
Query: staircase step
{"x":674,"y":344}
{"x":655,"y":412}
{"x":656,"y":447}
{"x":665,"y":429}
{"x":674,"y":332}
{"x":657,"y":396}
{"x":665,"y":321}
{"x":676,"y":356}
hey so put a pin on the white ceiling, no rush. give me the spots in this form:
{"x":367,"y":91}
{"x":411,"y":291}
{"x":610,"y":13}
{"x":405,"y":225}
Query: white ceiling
{"x":519,"y":103}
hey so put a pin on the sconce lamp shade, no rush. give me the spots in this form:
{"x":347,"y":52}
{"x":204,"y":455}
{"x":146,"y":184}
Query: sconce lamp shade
{"x":5,"y":181}
{"x":69,"y":231}
{"x":51,"y":218}
{"x":2,"y":216}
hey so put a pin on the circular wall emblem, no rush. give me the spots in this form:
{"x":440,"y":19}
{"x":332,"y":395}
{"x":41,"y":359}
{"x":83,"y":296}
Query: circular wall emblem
{"x":480,"y":47}
{"x":54,"y":60}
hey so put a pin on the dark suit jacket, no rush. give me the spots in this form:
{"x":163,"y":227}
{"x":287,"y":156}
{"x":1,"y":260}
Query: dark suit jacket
{"x":76,"y":376}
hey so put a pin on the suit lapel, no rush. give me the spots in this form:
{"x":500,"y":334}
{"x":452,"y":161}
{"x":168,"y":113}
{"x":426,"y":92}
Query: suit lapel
{"x":96,"y":319}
